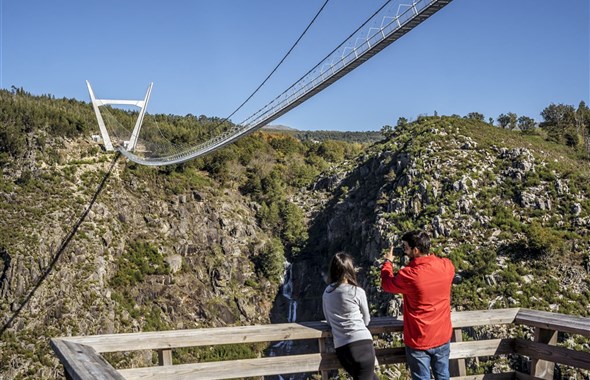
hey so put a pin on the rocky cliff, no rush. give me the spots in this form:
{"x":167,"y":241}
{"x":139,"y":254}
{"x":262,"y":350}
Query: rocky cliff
{"x":511,"y":210}
{"x":93,"y":245}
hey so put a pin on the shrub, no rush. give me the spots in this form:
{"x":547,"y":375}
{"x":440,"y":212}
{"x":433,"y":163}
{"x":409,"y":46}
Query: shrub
{"x":141,"y":259}
{"x":270,"y":262}
{"x":542,"y":240}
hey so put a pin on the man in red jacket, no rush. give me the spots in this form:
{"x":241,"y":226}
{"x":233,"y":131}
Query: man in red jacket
{"x":426,"y":287}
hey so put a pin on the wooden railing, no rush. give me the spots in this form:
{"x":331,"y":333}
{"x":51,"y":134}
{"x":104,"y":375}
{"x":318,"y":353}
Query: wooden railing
{"x":81,"y":355}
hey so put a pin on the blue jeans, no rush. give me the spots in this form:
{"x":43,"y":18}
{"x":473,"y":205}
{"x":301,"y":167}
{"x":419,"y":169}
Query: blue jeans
{"x":420,"y":362}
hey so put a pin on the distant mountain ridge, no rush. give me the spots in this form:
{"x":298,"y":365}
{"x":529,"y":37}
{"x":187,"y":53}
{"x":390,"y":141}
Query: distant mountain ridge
{"x":325,"y":135}
{"x":278,"y":127}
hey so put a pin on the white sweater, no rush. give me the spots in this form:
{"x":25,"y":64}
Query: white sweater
{"x":347,"y":313}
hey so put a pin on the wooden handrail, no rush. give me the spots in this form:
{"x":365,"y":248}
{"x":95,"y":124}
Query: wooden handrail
{"x":554,"y":321}
{"x":204,"y":337}
{"x":81,"y":359}
{"x":266,"y":333}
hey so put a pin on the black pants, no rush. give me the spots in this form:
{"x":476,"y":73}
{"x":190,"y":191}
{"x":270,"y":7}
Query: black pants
{"x":358,"y":359}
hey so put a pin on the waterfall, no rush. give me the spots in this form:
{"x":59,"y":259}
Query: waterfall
{"x":284,"y":347}
{"x":287,"y":292}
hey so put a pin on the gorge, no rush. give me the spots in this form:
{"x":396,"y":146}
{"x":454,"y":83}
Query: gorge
{"x":92,"y":244}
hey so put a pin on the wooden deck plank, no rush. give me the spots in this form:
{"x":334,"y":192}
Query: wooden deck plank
{"x":83,"y":362}
{"x":554,"y":321}
{"x":478,"y":348}
{"x":483,"y":317}
{"x":203,"y":337}
{"x":394,"y":355}
{"x":265,"y":333}
{"x":555,"y":354}
{"x":237,"y":368}
{"x":188,"y":374}
{"x":278,"y":365}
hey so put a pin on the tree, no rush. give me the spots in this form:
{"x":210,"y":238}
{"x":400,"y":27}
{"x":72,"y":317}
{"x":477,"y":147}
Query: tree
{"x":559,"y":122}
{"x":387,"y":131}
{"x":475,"y":116}
{"x":218,"y":163}
{"x":526,"y":124}
{"x":286,"y":144}
{"x":572,"y":138}
{"x":583,"y":123}
{"x":12,"y":141}
{"x":271,"y":260}
{"x":273,"y":185}
{"x":331,"y":150}
{"x":270,"y":218}
{"x":402,"y":121}
{"x":583,"y":112}
{"x":503,"y":120}
{"x":512,"y":120}
{"x":294,"y":227}
{"x":557,"y":114}
{"x":542,"y":240}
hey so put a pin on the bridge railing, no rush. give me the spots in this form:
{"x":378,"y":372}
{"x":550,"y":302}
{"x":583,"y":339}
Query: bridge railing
{"x":357,"y":49}
{"x":81,"y":355}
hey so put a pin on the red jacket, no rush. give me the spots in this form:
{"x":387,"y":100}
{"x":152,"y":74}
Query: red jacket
{"x":426,"y":286}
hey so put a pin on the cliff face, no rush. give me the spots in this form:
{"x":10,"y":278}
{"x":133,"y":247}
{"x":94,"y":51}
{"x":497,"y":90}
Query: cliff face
{"x":511,"y":211}
{"x":93,"y":246}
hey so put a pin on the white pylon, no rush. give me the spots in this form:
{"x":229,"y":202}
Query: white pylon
{"x":142,"y":104}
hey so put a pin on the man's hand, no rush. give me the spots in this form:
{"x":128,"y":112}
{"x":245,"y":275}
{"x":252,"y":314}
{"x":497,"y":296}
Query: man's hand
{"x":389,"y":255}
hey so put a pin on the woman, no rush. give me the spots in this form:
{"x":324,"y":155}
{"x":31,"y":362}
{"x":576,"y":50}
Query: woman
{"x":347,"y":313}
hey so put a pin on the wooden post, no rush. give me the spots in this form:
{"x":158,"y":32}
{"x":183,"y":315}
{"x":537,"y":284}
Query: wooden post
{"x":165,"y":357}
{"x":457,"y":366}
{"x":322,"y":346}
{"x":543,"y":369}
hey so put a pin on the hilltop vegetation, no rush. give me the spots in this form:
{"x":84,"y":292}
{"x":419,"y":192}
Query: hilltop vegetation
{"x":320,"y":136}
{"x":92,"y":244}
{"x":510,"y":209}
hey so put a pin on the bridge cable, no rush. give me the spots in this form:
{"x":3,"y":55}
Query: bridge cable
{"x":269,"y":75}
{"x":279,"y":64}
{"x":62,"y":247}
{"x":332,"y":52}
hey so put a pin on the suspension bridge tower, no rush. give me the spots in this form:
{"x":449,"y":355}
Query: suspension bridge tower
{"x":130,"y":144}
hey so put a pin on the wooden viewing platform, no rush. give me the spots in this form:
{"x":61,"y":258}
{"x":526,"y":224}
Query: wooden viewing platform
{"x":81,"y":357}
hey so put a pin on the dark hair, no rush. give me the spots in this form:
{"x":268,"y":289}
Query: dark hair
{"x":418,"y":239}
{"x":341,"y":268}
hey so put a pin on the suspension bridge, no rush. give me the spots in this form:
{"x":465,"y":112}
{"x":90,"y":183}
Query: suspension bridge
{"x":387,"y":25}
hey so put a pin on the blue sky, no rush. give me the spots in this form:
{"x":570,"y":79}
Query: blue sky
{"x":207,"y":57}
